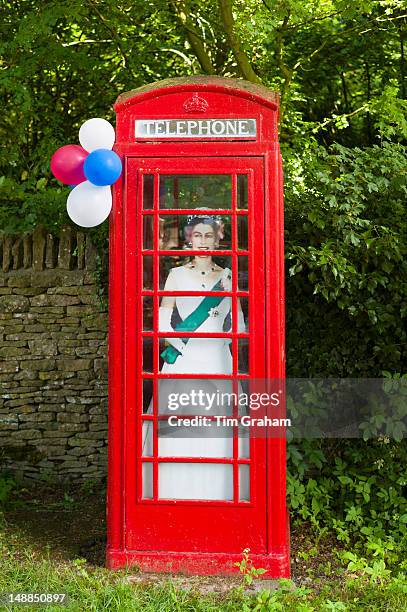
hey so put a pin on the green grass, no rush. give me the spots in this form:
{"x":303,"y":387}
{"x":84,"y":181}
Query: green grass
{"x":25,"y":569}
{"x":42,"y":532}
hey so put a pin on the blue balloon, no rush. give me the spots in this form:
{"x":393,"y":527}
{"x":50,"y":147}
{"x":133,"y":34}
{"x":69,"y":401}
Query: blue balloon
{"x":102,"y":167}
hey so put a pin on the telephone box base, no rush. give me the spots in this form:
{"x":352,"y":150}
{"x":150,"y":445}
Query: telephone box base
{"x":202,"y":564}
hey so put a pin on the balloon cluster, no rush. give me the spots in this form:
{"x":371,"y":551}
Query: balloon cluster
{"x":89,"y":169}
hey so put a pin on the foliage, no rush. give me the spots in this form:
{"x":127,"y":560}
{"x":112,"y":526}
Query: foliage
{"x":346,"y":290}
{"x":355,"y":489}
{"x":7,"y":486}
{"x":63,"y":63}
{"x":247,"y":569}
{"x":346,"y":251}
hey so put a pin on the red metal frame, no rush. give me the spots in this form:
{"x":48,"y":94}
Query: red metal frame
{"x":191,"y":536}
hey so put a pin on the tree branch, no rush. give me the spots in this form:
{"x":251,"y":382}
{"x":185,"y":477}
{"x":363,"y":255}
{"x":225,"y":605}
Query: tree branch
{"x":284,"y":69}
{"x":308,"y":22}
{"x":115,"y":36}
{"x":401,"y":38}
{"x":345,"y":115}
{"x":182,"y":13}
{"x":311,"y":55}
{"x":187,"y":60}
{"x":329,"y":38}
{"x":75,"y":43}
{"x":241,"y":58}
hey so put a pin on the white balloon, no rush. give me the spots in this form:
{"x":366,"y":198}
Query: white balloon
{"x":96,"y":134}
{"x":89,"y":205}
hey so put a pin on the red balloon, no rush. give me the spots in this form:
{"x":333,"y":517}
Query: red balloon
{"x":67,"y":164}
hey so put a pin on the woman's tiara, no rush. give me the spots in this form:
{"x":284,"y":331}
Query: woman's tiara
{"x":214,"y":218}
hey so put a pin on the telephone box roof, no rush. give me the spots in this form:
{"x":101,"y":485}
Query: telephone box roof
{"x":235,"y":87}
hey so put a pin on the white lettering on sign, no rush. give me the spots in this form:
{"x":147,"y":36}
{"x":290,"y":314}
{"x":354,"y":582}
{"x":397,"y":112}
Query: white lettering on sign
{"x":195,"y":128}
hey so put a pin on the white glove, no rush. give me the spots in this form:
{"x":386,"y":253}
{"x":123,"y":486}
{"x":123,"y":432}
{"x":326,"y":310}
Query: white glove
{"x":226,"y":279}
{"x":164,"y":325}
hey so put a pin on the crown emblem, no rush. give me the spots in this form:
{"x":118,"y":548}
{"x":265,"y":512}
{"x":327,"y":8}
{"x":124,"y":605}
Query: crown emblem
{"x":195,"y":104}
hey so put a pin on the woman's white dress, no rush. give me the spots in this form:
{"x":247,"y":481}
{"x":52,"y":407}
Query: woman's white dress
{"x":210,"y":481}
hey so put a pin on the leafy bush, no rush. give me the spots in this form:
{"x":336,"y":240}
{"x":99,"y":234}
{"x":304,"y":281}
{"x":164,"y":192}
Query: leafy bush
{"x":346,"y":245}
{"x":7,"y":485}
{"x":355,"y":489}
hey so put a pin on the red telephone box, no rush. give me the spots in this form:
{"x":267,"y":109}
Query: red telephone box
{"x":196,"y":297}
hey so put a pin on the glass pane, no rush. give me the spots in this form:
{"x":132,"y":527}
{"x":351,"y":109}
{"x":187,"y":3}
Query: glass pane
{"x":243,"y":274}
{"x":169,"y":237}
{"x":147,"y":480}
{"x":148,"y":191}
{"x":197,"y":313}
{"x":195,"y":356}
{"x":147,"y":396}
{"x":244,"y":305}
{"x":193,"y":273}
{"x":195,"y":190}
{"x":195,"y":231}
{"x":194,"y":441}
{"x":148,"y":272}
{"x":147,"y":439}
{"x":242,"y":191}
{"x":195,"y":481}
{"x":147,"y":355}
{"x":244,"y":442}
{"x":242,"y":239}
{"x":244,"y":482}
{"x":201,"y":397}
{"x":148,"y":313}
{"x":148,"y":232}
{"x":242,"y":323}
{"x":243,"y":356}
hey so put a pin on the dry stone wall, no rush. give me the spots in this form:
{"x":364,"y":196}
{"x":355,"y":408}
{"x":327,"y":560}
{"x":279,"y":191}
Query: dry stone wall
{"x":53,"y":370}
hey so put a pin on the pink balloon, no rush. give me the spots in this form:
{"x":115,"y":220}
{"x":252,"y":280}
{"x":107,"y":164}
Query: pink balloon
{"x":67,"y":164}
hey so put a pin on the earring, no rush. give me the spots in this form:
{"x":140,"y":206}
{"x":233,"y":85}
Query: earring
{"x":190,"y":244}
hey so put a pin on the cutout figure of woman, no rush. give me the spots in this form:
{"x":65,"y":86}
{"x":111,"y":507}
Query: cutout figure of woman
{"x":209,"y":314}
{"x":203,"y":314}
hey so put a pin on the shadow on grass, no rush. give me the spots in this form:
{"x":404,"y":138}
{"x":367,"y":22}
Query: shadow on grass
{"x":70,"y":522}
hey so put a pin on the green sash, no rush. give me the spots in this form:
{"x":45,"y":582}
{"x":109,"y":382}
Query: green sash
{"x":193,"y":321}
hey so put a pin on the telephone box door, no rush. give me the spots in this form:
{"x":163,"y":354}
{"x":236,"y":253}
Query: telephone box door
{"x":194,"y":487}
